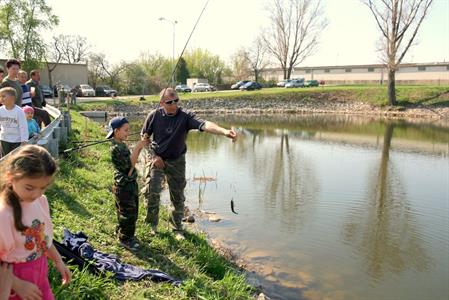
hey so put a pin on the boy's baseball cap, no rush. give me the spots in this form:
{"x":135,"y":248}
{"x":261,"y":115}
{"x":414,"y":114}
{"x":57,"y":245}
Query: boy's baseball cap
{"x":115,"y":123}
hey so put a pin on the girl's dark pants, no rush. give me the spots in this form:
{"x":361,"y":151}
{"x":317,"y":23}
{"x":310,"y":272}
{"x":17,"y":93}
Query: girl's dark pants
{"x":127,"y":205}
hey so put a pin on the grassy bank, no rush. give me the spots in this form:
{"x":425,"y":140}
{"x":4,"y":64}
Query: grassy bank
{"x":80,"y":200}
{"x":411,"y":95}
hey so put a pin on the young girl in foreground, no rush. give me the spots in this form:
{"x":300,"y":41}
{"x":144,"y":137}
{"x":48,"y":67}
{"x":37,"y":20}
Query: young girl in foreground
{"x":26,"y":230}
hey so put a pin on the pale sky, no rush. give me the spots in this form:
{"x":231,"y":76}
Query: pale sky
{"x":124,"y":29}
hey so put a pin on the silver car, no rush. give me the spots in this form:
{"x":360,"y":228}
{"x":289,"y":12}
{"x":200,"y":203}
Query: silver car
{"x":203,"y":87}
{"x":294,"y":83}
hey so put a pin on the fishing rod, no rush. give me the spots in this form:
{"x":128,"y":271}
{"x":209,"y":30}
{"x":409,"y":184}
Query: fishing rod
{"x":172,"y":77}
{"x":91,"y":144}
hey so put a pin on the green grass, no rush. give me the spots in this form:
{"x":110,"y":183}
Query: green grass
{"x":81,"y":200}
{"x":407,"y":95}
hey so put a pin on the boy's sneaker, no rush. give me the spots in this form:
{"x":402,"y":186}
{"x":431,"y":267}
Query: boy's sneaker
{"x":131,"y":244}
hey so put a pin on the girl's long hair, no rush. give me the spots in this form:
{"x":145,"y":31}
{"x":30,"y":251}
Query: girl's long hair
{"x":29,"y":161}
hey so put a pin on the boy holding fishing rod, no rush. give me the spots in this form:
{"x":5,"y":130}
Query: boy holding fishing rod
{"x":125,"y":186}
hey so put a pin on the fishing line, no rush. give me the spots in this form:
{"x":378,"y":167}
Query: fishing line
{"x":185,"y":45}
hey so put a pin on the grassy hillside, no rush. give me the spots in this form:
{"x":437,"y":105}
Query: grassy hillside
{"x":411,"y":95}
{"x":81,"y":200}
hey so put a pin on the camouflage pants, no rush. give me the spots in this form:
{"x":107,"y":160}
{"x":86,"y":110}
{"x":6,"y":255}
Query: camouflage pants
{"x":127,"y":206}
{"x":175,"y":171}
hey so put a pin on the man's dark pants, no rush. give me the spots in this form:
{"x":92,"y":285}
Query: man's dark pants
{"x":175,"y":171}
{"x":8,"y":147}
{"x":127,"y":206}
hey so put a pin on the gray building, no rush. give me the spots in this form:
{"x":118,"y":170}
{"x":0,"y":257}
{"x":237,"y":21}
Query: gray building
{"x":416,"y":73}
{"x":70,"y":74}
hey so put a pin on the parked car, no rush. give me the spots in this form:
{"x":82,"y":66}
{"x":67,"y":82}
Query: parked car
{"x":47,"y":91}
{"x":283,"y":82}
{"x":250,"y":86}
{"x":237,"y":85}
{"x":203,"y":87}
{"x":105,"y":91}
{"x":295,"y":83}
{"x":310,"y":83}
{"x":183,"y":88}
{"x":84,"y":90}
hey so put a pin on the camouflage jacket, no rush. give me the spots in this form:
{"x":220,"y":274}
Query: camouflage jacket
{"x":121,"y":160}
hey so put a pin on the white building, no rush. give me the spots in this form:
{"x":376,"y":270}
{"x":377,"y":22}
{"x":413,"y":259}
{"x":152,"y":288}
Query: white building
{"x":427,"y":73}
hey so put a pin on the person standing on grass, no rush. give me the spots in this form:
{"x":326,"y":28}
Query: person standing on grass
{"x":168,"y":126}
{"x":26,"y":235}
{"x":125,"y":186}
{"x":13,"y":124}
{"x":12,"y":67}
{"x":38,"y":100}
{"x":27,"y":93}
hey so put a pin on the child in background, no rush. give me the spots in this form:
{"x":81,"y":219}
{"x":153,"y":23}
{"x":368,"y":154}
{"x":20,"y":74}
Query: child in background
{"x":13,"y":124}
{"x":33,"y":128}
{"x":26,"y":229}
{"x":125,"y":185}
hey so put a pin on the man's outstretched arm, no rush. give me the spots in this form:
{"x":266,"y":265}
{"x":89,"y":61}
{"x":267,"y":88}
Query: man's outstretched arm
{"x":211,"y":127}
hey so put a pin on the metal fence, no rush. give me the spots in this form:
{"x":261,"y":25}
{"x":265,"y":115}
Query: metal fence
{"x":55,"y":135}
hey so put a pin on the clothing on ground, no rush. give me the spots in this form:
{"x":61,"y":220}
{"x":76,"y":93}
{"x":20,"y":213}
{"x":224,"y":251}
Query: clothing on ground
{"x":77,"y":243}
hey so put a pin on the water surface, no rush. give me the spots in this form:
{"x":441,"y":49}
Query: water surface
{"x":329,"y":207}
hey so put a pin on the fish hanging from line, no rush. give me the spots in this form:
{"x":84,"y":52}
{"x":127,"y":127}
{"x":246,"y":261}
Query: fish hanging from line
{"x":232,"y":206}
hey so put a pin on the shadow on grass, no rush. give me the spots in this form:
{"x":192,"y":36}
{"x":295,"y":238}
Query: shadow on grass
{"x":160,"y":261}
{"x":57,"y":192}
{"x":424,"y":101}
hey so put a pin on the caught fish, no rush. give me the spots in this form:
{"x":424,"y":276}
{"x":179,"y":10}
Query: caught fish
{"x":232,"y":206}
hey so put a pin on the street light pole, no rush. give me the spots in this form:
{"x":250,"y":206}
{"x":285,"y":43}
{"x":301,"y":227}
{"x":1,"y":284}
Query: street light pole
{"x":173,"y":51}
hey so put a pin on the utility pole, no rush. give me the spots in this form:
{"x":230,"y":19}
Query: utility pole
{"x":173,"y":51}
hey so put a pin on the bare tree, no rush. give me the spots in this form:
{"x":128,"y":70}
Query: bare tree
{"x":240,"y":65}
{"x":65,"y":48}
{"x":53,"y":55}
{"x":95,"y":69}
{"x":295,"y":28}
{"x":73,"y":48}
{"x":100,"y":69}
{"x":398,"y":21}
{"x":257,"y":57}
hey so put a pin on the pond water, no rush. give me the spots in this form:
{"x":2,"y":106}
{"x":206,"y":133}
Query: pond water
{"x":328,"y":207}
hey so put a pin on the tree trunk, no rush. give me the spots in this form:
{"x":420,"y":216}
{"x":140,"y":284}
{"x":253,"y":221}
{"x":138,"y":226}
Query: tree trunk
{"x":50,"y":81}
{"x":289,"y":72}
{"x":391,"y":87}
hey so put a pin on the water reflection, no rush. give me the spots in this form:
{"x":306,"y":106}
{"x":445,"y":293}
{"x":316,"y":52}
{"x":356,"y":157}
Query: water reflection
{"x":384,"y":231}
{"x":289,"y":182}
{"x":329,"y":208}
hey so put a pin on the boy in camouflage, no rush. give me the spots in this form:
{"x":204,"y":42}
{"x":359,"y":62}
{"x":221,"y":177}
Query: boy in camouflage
{"x":125,"y":186}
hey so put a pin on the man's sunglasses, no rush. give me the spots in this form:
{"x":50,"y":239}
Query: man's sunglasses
{"x":170,"y":102}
